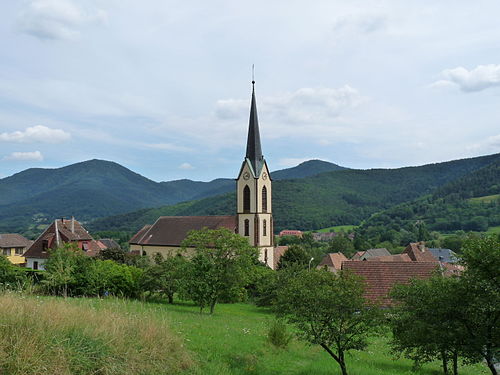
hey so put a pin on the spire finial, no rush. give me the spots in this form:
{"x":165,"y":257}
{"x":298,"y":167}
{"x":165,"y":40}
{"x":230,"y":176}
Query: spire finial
{"x":253,"y":74}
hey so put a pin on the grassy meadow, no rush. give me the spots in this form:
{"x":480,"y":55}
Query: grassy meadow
{"x":114,"y":336}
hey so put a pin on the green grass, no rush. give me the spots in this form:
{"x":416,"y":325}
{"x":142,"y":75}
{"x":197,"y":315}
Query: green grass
{"x":485,"y":199}
{"x":234,"y":341}
{"x":494,"y":230}
{"x":337,"y":228}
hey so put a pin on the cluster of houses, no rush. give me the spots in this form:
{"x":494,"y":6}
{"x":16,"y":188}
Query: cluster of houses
{"x":34,"y":254}
{"x":381,"y":270}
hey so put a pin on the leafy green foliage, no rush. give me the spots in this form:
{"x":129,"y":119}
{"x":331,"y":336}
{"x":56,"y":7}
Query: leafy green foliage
{"x":11,"y":277}
{"x":294,"y":256}
{"x":165,"y":276}
{"x":220,"y":268}
{"x":278,"y":334}
{"x":328,"y":310}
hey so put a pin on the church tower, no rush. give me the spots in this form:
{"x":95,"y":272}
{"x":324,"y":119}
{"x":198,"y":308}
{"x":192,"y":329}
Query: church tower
{"x":254,"y":193}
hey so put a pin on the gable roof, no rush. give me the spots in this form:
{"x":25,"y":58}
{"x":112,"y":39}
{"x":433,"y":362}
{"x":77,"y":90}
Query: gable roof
{"x":391,"y":258}
{"x":380,"y":277}
{"x":172,"y":230}
{"x":9,"y":240}
{"x":419,"y":253}
{"x":67,"y":231}
{"x":333,"y":260}
{"x":109,"y":243}
{"x":444,"y":255}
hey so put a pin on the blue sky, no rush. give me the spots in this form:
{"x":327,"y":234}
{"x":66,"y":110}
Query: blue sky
{"x":163,"y":87}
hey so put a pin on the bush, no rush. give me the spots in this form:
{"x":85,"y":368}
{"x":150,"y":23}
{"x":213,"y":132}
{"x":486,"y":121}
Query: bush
{"x":278,"y":334}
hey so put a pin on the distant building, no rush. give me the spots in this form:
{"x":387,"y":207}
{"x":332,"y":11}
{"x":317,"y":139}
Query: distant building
{"x":444,"y":255}
{"x":13,"y":246}
{"x":332,"y":262}
{"x":58,"y":233}
{"x":288,"y":232}
{"x":108,"y":243}
{"x":324,"y":236}
{"x":370,"y":253}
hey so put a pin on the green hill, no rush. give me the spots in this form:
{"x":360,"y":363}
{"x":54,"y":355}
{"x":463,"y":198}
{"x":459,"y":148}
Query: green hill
{"x":331,"y":198}
{"x":470,"y":203}
{"x":98,"y":188}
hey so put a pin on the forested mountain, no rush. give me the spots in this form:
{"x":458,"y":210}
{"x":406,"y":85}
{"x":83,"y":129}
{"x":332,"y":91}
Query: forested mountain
{"x":471,"y":202}
{"x":331,"y":198}
{"x":98,"y":188}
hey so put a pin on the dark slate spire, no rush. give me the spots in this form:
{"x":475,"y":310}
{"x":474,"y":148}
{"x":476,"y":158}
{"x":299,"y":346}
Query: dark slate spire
{"x":254,"y":150}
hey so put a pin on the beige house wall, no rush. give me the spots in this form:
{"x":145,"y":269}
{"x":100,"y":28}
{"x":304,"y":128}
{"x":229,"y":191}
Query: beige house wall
{"x":165,"y":251}
{"x":11,"y":255}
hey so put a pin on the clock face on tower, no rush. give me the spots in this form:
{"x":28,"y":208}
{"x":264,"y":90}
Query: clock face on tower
{"x":246,"y":175}
{"x":264,"y":176}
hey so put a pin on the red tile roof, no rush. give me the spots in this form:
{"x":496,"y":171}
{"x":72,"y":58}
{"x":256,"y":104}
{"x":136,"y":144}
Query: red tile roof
{"x":419,"y":253}
{"x":172,"y":230}
{"x":391,"y":258}
{"x":333,"y":260}
{"x":380,"y":277}
{"x":69,"y":231}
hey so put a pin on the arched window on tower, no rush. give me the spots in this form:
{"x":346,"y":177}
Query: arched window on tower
{"x":264,"y":229}
{"x":264,"y":199}
{"x":247,"y":227}
{"x":246,"y":199}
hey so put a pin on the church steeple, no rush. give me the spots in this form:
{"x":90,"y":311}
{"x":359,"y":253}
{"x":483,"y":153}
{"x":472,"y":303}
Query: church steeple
{"x":254,"y":150}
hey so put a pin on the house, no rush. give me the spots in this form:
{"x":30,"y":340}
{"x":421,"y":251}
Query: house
{"x":13,"y":246}
{"x":108,"y":243}
{"x":419,"y":253}
{"x":288,"y":232}
{"x":324,"y":236}
{"x":61,"y":231}
{"x":381,"y":277}
{"x":370,"y":253}
{"x":444,"y":255}
{"x":165,"y":236}
{"x":332,"y":262}
{"x":253,"y":219}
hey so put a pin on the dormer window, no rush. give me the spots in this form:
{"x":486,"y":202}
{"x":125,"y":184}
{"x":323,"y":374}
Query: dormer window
{"x":45,"y":245}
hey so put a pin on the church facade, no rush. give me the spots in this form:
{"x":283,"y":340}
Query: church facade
{"x":253,"y":219}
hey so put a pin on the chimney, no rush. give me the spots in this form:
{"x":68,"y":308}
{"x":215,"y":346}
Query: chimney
{"x":58,"y":239}
{"x":73,"y":224}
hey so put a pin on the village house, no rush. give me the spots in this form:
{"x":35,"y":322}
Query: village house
{"x":288,"y":232}
{"x":13,"y":246}
{"x":370,"y":253}
{"x":332,"y":262}
{"x":61,"y":231}
{"x":253,"y":219}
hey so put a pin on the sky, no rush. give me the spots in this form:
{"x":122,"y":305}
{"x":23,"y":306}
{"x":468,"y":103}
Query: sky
{"x":163,"y":87}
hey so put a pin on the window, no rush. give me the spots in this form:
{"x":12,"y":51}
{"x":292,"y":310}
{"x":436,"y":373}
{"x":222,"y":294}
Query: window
{"x":6,"y":252}
{"x":247,"y":227}
{"x":264,"y":231}
{"x":85,"y":246}
{"x":246,"y":199}
{"x":45,"y":245}
{"x":19,"y":250}
{"x":264,"y":199}
{"x":144,"y":253}
{"x":265,"y":256}
{"x":35,"y":265}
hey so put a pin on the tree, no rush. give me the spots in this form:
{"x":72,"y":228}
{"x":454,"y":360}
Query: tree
{"x":220,"y":267}
{"x":341,"y":244}
{"x":10,"y":274}
{"x":425,"y":322}
{"x":294,"y":255}
{"x":164,"y":276}
{"x":329,"y":310}
{"x":480,"y":288}
{"x":59,"y":268}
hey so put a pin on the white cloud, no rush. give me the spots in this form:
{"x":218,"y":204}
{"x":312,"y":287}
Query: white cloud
{"x":56,"y":19}
{"x":490,"y":144}
{"x":38,"y":133}
{"x":477,"y":79}
{"x":25,"y":156}
{"x":186,"y":166}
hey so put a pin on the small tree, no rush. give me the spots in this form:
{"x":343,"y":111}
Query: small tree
{"x":165,"y":276}
{"x":341,"y":244}
{"x":59,"y":268}
{"x":329,"y":310}
{"x":294,"y":256}
{"x":221,"y":265}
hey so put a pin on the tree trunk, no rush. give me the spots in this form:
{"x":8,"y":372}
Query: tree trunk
{"x":491,"y":366}
{"x":444,"y":358}
{"x":343,"y":368}
{"x":170,"y":297}
{"x":212,"y":306}
{"x":455,"y":363}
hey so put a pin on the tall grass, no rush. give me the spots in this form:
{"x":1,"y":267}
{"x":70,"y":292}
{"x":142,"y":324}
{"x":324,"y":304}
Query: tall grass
{"x":51,"y":336}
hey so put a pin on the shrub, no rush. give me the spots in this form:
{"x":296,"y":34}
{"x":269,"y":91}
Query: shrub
{"x":278,"y":334}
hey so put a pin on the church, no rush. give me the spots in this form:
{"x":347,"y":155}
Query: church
{"x":253,"y":219}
